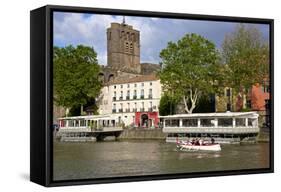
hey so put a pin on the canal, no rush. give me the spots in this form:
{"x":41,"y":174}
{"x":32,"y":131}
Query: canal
{"x":149,"y":157}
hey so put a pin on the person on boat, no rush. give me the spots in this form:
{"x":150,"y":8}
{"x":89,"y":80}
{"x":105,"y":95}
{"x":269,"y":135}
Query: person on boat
{"x":193,"y":141}
{"x":200,"y":142}
{"x":197,"y":142}
{"x":212,"y":140}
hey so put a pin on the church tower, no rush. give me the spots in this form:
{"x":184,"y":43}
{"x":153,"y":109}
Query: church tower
{"x":123,"y":48}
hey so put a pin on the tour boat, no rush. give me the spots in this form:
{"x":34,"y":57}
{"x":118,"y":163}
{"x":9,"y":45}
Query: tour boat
{"x":187,"y":146}
{"x":228,"y":127}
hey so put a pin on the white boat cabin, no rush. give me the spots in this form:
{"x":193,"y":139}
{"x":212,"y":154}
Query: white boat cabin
{"x":235,"y":125}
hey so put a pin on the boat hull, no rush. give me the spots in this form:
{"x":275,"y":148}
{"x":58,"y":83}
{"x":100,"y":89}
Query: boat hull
{"x":208,"y":147}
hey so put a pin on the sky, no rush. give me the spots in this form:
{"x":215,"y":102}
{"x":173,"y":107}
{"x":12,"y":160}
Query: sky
{"x":155,"y":33}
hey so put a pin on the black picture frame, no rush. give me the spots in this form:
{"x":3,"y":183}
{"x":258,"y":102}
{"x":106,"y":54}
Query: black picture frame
{"x":41,"y":110}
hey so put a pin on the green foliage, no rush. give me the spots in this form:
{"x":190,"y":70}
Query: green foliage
{"x":75,"y":73}
{"x":247,"y":57}
{"x":190,"y":69}
{"x":167,"y":105}
{"x":206,"y":104}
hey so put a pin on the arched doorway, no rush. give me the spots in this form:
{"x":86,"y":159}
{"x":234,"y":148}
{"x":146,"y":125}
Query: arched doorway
{"x":144,"y":120}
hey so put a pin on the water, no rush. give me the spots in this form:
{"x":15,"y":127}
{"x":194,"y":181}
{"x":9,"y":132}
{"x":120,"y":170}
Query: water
{"x":142,"y":157}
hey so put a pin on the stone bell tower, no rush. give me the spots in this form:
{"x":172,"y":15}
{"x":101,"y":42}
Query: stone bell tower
{"x":123,"y":47}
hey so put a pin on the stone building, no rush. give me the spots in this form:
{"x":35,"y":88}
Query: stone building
{"x":134,"y":101}
{"x":123,"y":54}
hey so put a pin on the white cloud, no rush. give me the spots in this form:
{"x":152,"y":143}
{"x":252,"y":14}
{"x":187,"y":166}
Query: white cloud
{"x":90,"y":29}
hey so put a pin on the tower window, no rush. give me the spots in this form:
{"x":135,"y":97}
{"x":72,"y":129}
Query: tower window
{"x":127,"y":47}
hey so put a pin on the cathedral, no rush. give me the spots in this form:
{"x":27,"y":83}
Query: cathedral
{"x":123,"y":54}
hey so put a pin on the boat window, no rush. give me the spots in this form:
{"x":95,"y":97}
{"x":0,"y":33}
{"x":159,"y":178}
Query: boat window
{"x":82,"y":123}
{"x":175,"y":123}
{"x":251,"y":122}
{"x":172,"y":123}
{"x":207,"y":122}
{"x":226,"y":122}
{"x":189,"y":122}
{"x":240,"y":122}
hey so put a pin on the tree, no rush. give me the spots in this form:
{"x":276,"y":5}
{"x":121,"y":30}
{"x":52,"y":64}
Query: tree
{"x":167,"y":105}
{"x":75,"y":73}
{"x":246,"y":55}
{"x":190,"y":69}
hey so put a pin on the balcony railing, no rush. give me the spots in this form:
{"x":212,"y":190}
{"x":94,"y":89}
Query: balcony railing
{"x":150,"y":109}
{"x":135,"y":110}
{"x":150,"y":96}
{"x":120,"y":98}
{"x":114,"y":98}
{"x":120,"y":110}
{"x":142,"y":96}
{"x":142,"y":109}
{"x":134,"y":97}
{"x":113,"y":110}
{"x":127,"y":110}
{"x":127,"y":97}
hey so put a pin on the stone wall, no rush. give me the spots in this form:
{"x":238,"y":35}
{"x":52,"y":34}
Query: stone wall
{"x":142,"y":134}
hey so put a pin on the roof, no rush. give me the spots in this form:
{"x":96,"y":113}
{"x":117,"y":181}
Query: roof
{"x":252,"y":114}
{"x":141,"y":78}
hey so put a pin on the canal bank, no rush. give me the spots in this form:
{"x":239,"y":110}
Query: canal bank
{"x":140,"y":133}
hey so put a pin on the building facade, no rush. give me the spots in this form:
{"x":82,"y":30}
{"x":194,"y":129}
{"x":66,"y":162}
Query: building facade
{"x":134,"y":100}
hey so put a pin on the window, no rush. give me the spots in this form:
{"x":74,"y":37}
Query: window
{"x":128,"y":95}
{"x":249,"y":104}
{"x":207,"y":122}
{"x":114,"y":86}
{"x":128,"y":107}
{"x":127,"y":47}
{"x":150,"y":83}
{"x":121,"y":86}
{"x":228,"y":92}
{"x":228,"y":107}
{"x":135,"y":94}
{"x":227,"y":122}
{"x":142,"y":94}
{"x":266,"y":88}
{"x":135,"y":85}
{"x":128,"y":86}
{"x":240,"y":122}
{"x":150,"y":94}
{"x":189,"y":122}
{"x":142,"y":84}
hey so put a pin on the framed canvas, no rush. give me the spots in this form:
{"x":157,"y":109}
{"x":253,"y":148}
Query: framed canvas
{"x":126,"y":95}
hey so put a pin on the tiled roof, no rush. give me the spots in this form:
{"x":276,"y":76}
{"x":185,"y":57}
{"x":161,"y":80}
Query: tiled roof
{"x":141,"y":78}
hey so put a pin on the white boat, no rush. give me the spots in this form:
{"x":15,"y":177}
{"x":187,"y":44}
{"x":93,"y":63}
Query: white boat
{"x":187,"y":146}
{"x":228,"y":127}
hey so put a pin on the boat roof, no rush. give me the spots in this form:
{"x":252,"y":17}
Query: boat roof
{"x":89,"y":117}
{"x":208,"y":115}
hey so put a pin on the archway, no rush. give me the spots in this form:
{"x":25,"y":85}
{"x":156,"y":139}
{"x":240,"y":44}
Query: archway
{"x":101,"y":77}
{"x":144,"y":120}
{"x":110,"y":77}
